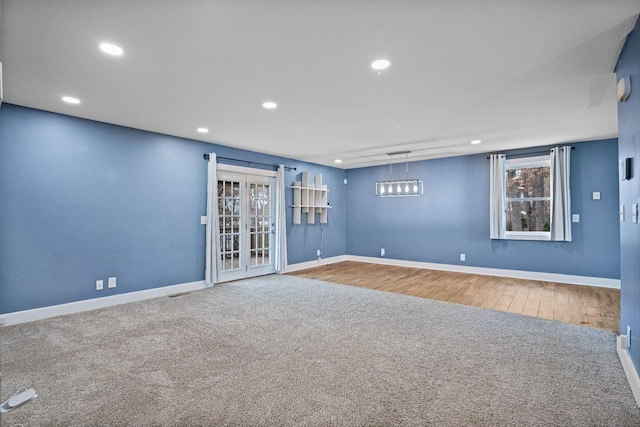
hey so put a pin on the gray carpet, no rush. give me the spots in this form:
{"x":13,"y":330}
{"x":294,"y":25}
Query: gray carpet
{"x":288,"y":351}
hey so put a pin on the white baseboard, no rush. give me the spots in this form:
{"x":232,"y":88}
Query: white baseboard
{"x":96,"y":303}
{"x":315,"y":263}
{"x":629,"y":369}
{"x":600,"y":282}
{"x":515,"y":274}
{"x":92,"y":304}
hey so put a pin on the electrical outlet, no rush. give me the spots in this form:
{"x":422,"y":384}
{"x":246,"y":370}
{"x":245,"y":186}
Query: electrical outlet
{"x":463,"y":257}
{"x":382,"y":252}
{"x":99,"y":285}
{"x":319,"y":253}
{"x":628,"y":337}
{"x":112,"y":282}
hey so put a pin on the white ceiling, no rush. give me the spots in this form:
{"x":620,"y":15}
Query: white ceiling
{"x":511,"y":73}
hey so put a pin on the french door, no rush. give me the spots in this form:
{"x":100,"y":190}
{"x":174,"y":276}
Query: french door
{"x":246,"y":226}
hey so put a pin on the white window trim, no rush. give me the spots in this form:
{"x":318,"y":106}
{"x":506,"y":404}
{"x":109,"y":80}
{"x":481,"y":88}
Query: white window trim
{"x":528,"y":162}
{"x":524,"y":162}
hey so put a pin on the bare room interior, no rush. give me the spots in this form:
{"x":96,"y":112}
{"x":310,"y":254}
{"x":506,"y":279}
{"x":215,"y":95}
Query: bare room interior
{"x":319,"y":213}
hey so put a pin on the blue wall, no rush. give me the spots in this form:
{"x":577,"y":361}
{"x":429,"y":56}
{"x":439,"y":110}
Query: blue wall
{"x":452,"y":217}
{"x":305,"y":239}
{"x":629,"y":133}
{"x":83,"y":200}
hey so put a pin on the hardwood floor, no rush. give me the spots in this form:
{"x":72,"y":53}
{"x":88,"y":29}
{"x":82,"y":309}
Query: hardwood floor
{"x":580,"y":305}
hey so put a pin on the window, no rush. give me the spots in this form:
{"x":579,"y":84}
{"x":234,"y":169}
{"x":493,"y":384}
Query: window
{"x":530,"y":197}
{"x":527,"y":198}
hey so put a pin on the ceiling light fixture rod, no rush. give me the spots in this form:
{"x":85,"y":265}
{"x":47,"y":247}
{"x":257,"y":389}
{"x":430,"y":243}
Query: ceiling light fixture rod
{"x":395,"y":153}
{"x":407,"y":164}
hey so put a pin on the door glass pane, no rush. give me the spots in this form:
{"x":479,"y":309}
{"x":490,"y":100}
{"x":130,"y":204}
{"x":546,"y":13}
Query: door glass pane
{"x":260,"y":224}
{"x":229,"y":220}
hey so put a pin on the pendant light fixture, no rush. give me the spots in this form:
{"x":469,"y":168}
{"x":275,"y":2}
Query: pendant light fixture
{"x":403,"y":187}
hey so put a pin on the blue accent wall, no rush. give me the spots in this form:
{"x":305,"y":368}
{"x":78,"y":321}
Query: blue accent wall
{"x":628,"y":135}
{"x":305,"y":239}
{"x":82,"y":201}
{"x":452,"y":217}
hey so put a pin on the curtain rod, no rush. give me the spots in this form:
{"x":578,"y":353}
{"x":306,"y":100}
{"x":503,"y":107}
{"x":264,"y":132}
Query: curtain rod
{"x":536,"y":153}
{"x":289,"y":168}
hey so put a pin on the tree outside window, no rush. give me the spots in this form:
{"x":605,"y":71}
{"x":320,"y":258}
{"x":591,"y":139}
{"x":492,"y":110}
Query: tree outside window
{"x":527,"y":196}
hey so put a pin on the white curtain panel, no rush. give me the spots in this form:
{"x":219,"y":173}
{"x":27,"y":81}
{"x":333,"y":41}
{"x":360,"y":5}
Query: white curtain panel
{"x":561,"y":194}
{"x":496,"y":203}
{"x":210,"y":271}
{"x":281,"y":223}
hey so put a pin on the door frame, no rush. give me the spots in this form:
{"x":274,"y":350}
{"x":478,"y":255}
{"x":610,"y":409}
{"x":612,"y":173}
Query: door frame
{"x":246,"y":173}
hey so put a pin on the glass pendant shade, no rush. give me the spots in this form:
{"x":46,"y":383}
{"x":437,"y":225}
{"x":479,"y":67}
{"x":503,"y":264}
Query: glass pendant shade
{"x":406,"y":187}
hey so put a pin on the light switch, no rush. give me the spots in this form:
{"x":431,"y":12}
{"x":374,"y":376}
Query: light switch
{"x":203,"y":220}
{"x":596,"y":195}
{"x":575,"y":218}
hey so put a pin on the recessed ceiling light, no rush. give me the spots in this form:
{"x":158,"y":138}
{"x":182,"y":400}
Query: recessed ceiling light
{"x":476,"y":142}
{"x":380,"y":64}
{"x":70,"y":100}
{"x":337,"y":161}
{"x":269,"y":105}
{"x":203,"y":130}
{"x":111,"y":49}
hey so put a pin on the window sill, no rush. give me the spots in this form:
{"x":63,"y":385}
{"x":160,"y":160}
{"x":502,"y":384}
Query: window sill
{"x":528,"y":235}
